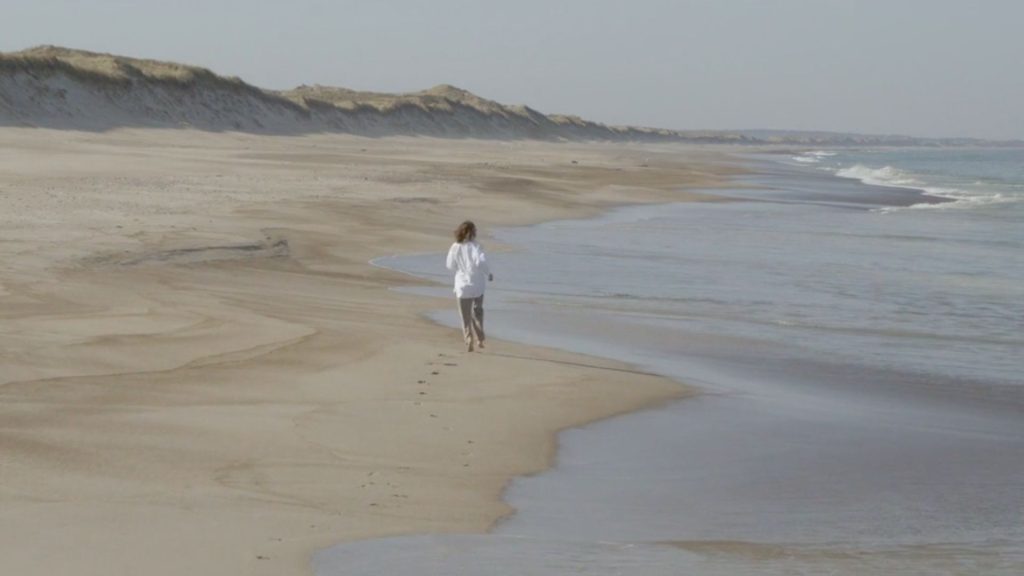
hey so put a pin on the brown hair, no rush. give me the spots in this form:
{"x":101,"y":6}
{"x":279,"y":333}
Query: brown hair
{"x":465,"y":231}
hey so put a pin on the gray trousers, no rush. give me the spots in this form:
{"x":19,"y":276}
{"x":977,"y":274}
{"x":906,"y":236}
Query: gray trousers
{"x":472,"y":312}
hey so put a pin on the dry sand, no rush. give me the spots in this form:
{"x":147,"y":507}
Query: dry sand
{"x":201,"y":374}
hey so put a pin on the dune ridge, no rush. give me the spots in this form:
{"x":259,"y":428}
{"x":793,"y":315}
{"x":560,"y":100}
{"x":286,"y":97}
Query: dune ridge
{"x":54,"y":87}
{"x":63,"y":88}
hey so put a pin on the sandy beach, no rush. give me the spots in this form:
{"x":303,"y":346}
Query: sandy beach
{"x":201,"y":373}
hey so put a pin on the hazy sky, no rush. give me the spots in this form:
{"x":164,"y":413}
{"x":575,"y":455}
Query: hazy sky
{"x":921,"y":67}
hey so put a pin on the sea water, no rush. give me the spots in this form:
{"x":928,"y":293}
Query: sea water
{"x":856,"y":321}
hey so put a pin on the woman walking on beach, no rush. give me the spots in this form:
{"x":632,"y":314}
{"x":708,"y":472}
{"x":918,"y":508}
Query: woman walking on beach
{"x":467,"y":259}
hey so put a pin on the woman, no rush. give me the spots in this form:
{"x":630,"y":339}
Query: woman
{"x":467,"y":259}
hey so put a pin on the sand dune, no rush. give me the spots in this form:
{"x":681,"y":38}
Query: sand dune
{"x":62,"y":88}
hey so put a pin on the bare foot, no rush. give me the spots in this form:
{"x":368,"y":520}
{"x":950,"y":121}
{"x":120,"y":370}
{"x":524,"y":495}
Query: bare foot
{"x":469,"y":347}
{"x":480,"y":344}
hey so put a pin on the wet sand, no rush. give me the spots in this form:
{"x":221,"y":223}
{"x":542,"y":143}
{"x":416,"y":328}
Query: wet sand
{"x":814,"y":449}
{"x":201,"y":373}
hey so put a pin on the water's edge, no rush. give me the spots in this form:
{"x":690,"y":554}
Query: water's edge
{"x":586,"y":548}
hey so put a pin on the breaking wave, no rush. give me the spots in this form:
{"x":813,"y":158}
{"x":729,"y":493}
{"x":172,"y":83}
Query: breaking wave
{"x":813,"y":157}
{"x":894,"y":177}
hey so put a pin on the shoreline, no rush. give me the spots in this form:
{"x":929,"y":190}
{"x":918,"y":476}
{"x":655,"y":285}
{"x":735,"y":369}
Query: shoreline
{"x":575,"y":506}
{"x":150,"y":401}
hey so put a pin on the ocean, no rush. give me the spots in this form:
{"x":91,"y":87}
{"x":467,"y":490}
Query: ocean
{"x":855,"y":319}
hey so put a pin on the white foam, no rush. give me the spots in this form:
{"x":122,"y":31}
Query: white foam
{"x":885,"y":176}
{"x":894,"y":177}
{"x":813,"y":157}
{"x":960,"y":199}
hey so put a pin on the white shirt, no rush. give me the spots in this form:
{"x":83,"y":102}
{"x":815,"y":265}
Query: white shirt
{"x":469,"y":263}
